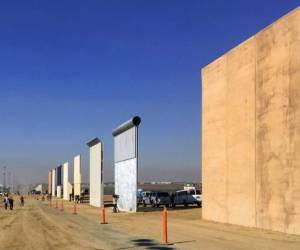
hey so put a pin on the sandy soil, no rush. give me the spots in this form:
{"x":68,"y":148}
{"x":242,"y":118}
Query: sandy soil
{"x":41,"y":226}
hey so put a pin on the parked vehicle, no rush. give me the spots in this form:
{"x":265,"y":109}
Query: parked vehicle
{"x":139,"y":195}
{"x":146,"y":200}
{"x":160,"y":198}
{"x":187,"y":197}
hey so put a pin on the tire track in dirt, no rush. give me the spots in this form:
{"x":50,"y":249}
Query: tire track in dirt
{"x":27,"y":228}
{"x":38,"y":226}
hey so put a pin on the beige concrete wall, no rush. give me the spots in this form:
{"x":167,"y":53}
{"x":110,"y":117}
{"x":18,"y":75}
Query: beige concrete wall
{"x":49,"y":181}
{"x":240,"y":128}
{"x":251,"y":131}
{"x":214,"y":141}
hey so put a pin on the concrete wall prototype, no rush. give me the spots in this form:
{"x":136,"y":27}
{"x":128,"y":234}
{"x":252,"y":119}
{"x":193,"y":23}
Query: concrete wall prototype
{"x":67,"y":187}
{"x":126,"y":164}
{"x":96,"y":172}
{"x":59,"y":191}
{"x":53,"y":182}
{"x":49,"y":181}
{"x":77,"y":175}
{"x":251,"y":131}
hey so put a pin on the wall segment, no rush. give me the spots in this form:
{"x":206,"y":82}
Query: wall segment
{"x":251,"y":131}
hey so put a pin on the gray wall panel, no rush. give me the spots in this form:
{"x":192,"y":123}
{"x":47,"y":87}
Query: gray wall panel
{"x":125,"y":145}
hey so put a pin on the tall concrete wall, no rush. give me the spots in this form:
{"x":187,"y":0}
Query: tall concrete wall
{"x":53,"y":182}
{"x":96,"y":173}
{"x":49,"y":181}
{"x":77,"y":175}
{"x":67,"y":187}
{"x":251,"y":131}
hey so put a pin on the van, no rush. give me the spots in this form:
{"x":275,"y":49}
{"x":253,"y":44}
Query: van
{"x":146,"y":200}
{"x":160,"y":198}
{"x":187,"y":197}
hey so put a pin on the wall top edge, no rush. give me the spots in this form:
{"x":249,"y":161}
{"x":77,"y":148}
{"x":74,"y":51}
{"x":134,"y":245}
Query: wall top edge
{"x":296,"y":10}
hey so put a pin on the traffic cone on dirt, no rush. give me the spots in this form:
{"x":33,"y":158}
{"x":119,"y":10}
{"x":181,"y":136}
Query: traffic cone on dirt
{"x":74,"y":209}
{"x":103,"y":221}
{"x":62,"y":205}
{"x":165,"y":226}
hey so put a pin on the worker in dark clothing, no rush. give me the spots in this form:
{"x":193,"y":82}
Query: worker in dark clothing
{"x":11,"y":203}
{"x":6,"y":202}
{"x":22,"y":201}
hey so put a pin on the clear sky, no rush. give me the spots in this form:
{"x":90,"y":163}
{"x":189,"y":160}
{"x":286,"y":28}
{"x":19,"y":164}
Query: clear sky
{"x":73,"y":70}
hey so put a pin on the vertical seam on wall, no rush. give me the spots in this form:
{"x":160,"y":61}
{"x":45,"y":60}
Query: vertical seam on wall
{"x":289,"y":109}
{"x":226,"y":138}
{"x":255,"y":177}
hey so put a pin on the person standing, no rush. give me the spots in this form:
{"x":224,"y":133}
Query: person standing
{"x":22,"y":201}
{"x":6,"y":202}
{"x":11,"y":203}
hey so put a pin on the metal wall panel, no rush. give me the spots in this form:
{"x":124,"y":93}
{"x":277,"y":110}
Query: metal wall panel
{"x":77,"y":175}
{"x":126,"y":164}
{"x":125,"y":145}
{"x":126,"y":184}
{"x":96,"y":175}
{"x":58,"y":175}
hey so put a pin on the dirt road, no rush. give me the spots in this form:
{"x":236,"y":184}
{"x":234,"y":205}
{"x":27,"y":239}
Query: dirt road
{"x":38,"y":226}
{"x":41,"y":226}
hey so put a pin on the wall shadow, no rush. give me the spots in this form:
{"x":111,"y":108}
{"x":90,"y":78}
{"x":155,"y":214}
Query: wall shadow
{"x":150,"y":244}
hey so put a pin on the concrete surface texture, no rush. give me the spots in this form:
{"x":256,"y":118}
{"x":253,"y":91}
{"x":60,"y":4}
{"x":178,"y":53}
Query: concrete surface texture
{"x":96,"y":175}
{"x":59,"y":191}
{"x":53,"y":182}
{"x":67,"y":187}
{"x":77,"y":174}
{"x":49,"y":181}
{"x":251,"y":131}
{"x":126,"y":184}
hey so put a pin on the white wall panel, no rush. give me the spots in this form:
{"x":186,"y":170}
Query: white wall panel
{"x":126,"y":184}
{"x":66,"y":181}
{"x":77,"y":175}
{"x":58,"y":191}
{"x":96,"y":175}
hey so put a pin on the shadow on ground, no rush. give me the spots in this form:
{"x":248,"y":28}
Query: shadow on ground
{"x":150,"y":244}
{"x":159,"y":209}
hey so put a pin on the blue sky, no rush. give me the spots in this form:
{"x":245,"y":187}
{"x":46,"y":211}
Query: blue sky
{"x":73,"y":70}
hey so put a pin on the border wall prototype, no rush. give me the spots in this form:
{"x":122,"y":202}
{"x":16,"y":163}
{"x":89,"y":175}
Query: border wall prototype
{"x":251,"y":131}
{"x":53,"y":182}
{"x":49,"y":181}
{"x":67,"y":187}
{"x":96,"y":172}
{"x":126,"y":164}
{"x":77,"y":175}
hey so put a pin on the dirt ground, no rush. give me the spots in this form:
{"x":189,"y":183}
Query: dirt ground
{"x":41,"y":226}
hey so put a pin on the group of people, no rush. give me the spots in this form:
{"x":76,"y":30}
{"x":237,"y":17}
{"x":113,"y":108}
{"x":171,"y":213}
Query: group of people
{"x":9,"y":202}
